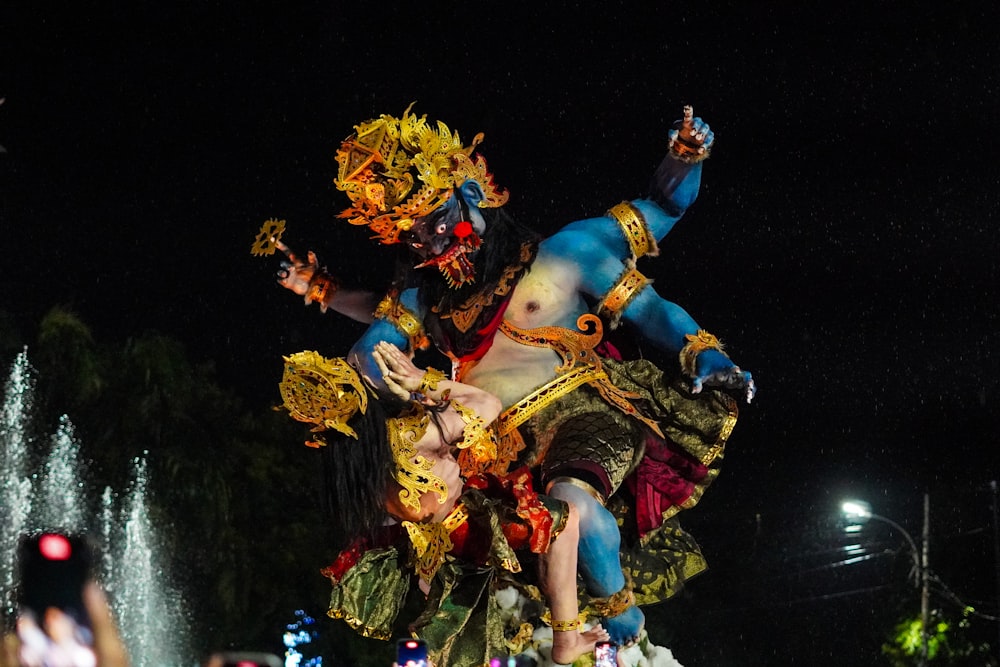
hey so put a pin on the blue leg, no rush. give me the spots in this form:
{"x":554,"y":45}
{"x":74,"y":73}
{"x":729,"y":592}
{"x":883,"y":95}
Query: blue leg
{"x":598,"y":560}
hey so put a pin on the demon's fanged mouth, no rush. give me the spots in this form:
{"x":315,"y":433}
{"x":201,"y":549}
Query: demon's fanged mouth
{"x":454,"y":263}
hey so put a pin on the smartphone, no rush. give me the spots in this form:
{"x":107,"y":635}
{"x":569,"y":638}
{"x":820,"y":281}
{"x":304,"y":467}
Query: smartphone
{"x":244,"y":659}
{"x":605,"y":655}
{"x":52,"y":622}
{"x":411,"y":653}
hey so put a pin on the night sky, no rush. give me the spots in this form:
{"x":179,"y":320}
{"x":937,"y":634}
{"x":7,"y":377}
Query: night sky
{"x":844,"y":244}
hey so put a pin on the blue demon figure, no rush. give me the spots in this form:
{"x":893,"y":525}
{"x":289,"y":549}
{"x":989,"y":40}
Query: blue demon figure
{"x":524,"y":318}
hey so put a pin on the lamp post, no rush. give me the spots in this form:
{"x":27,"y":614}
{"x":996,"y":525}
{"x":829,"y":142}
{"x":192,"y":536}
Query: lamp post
{"x":859,"y":510}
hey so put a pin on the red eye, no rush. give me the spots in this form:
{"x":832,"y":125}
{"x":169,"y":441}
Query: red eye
{"x":442,"y":228}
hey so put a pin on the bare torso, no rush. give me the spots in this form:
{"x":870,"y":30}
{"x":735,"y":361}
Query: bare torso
{"x":548,"y":295}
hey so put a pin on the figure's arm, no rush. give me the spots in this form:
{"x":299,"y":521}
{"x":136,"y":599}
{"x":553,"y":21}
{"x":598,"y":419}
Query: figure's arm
{"x":701,"y":356}
{"x":315,"y":284}
{"x":621,"y":292}
{"x":397,"y":321}
{"x":676,"y":181}
{"x":632,"y":229}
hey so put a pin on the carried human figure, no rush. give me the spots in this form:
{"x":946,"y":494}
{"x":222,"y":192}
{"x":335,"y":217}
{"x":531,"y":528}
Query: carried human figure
{"x":395,"y":489}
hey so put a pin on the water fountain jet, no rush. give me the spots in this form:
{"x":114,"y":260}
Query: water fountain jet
{"x":49,"y":492}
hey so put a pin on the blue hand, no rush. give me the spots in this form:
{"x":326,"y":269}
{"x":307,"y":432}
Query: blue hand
{"x":717,"y":370}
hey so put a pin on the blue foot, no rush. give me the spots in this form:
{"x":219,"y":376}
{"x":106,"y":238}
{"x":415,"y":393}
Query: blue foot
{"x":625,"y":628}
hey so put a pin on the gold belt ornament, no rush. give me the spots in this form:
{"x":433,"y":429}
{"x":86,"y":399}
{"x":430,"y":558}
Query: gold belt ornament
{"x":545,"y":395}
{"x":580,"y":366}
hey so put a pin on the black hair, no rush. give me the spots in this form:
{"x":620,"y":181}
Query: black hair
{"x":358,"y":473}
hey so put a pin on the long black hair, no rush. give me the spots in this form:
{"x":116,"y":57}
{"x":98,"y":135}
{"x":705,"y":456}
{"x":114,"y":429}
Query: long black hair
{"x":357,"y":474}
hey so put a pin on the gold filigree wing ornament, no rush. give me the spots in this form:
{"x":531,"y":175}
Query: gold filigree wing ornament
{"x":323,"y":392}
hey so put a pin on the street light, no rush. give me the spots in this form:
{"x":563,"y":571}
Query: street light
{"x":859,"y":510}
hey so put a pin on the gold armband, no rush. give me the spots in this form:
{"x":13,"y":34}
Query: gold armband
{"x":635,"y":230}
{"x":696,"y":344}
{"x":629,"y":283}
{"x":391,"y":310}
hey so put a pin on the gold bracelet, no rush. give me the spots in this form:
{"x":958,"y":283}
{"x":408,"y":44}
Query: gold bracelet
{"x":696,"y":344}
{"x":429,"y":382}
{"x":686,"y":154}
{"x":321,"y":288}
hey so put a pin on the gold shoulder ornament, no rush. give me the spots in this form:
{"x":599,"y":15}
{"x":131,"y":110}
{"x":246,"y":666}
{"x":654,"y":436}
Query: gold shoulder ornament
{"x":393,"y":311}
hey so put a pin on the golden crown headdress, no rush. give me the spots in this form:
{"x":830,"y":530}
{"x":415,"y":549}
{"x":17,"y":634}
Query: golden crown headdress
{"x":397,"y":169}
{"x":321,"y":391}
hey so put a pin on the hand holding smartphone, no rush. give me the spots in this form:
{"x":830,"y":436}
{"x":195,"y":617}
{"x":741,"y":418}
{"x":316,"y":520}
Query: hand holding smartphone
{"x":53,"y":625}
